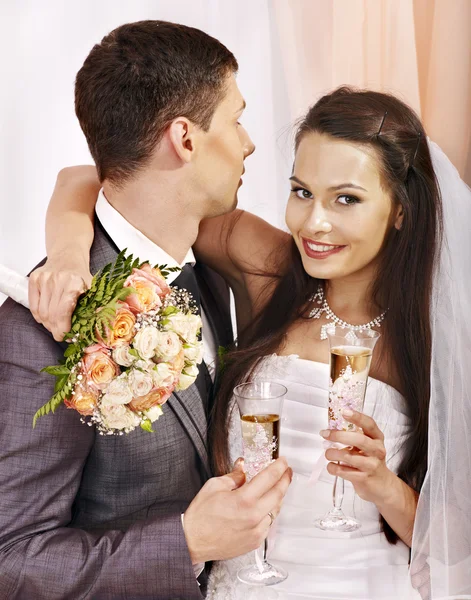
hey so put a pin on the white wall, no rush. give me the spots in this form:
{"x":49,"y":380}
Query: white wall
{"x":43,"y":45}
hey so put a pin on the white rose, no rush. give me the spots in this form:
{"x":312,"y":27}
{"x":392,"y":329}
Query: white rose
{"x":140,"y":383}
{"x":187,"y":326}
{"x":194,"y":352}
{"x":168,"y":345}
{"x":122,"y":356}
{"x":143,"y":365}
{"x":145,"y":341}
{"x":118,"y":391}
{"x":162,"y":375}
{"x":117,"y":416}
{"x":154,"y":413}
{"x":188,"y":376}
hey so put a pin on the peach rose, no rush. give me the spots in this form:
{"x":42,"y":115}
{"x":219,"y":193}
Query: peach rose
{"x":156,"y":277}
{"x":83,"y":401}
{"x":153,"y":398}
{"x":148,"y":291}
{"x":121,"y":330}
{"x":178,"y":363}
{"x":98,"y":367}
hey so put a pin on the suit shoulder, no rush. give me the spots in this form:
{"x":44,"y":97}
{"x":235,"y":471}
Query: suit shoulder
{"x":18,"y":329}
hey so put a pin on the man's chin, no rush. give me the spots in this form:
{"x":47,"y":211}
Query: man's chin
{"x":234,"y":203}
{"x":229,"y":207}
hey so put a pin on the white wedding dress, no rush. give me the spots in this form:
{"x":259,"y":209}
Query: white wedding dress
{"x":321,"y":564}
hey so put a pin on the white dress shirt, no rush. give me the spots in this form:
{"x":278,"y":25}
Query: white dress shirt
{"x":125,"y":235}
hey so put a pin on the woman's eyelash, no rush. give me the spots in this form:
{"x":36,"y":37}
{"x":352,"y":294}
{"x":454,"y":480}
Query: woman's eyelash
{"x":355,"y":199}
{"x":294,"y":190}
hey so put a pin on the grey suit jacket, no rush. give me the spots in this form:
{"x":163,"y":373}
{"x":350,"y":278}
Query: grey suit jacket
{"x":85,"y":516}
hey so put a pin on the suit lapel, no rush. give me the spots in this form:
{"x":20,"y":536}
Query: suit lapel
{"x":216,"y":308}
{"x":189,"y":410}
{"x":217,"y":311}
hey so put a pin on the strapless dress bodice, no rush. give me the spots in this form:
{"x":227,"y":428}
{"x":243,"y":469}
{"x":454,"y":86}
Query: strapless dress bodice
{"x":323,"y":564}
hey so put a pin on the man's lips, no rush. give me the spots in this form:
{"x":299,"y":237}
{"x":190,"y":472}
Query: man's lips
{"x":318,"y":250}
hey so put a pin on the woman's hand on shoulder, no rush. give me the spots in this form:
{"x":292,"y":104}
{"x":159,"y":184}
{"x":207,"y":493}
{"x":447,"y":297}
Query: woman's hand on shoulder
{"x":54,"y":290}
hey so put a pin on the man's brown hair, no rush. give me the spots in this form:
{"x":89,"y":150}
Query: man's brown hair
{"x":137,"y":80}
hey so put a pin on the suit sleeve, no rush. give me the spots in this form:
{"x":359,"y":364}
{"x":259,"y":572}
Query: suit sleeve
{"x":40,"y":473}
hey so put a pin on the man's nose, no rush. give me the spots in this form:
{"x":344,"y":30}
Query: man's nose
{"x":248,"y":145}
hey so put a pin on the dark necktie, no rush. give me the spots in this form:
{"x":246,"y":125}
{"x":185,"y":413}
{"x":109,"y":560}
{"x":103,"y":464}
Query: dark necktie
{"x":187,"y":280}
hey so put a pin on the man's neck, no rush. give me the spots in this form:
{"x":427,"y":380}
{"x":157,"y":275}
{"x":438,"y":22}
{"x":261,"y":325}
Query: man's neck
{"x":159,"y":212}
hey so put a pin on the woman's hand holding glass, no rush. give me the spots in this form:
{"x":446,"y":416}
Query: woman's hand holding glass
{"x":363,"y":460}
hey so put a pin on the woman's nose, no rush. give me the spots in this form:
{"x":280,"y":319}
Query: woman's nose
{"x":318,"y":221}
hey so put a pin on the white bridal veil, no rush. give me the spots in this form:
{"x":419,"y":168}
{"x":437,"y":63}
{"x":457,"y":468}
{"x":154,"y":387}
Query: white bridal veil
{"x":441,"y":548}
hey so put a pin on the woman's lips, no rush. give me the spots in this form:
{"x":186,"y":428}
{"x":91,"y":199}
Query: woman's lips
{"x":320,"y":251}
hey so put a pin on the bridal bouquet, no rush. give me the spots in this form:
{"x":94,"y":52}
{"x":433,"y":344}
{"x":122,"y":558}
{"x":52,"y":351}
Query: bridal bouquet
{"x":134,"y":339}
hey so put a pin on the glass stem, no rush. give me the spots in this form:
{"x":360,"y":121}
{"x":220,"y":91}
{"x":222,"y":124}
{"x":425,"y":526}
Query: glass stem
{"x":261,"y":556}
{"x":265,"y":549}
{"x":338,"y":492}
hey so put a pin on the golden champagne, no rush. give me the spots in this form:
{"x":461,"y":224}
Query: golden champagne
{"x":260,"y":438}
{"x":349,"y":368}
{"x":260,"y":430}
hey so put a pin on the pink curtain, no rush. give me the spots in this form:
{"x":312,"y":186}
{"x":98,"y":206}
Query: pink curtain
{"x":419,"y":50}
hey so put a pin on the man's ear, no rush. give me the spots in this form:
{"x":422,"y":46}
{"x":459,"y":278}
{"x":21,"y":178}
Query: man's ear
{"x":399,"y":217}
{"x":181,"y":135}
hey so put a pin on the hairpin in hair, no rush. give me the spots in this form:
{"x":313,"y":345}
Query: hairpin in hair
{"x":382,"y":123}
{"x":419,"y":137}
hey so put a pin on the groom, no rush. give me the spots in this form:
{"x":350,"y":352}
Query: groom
{"x":113,"y":517}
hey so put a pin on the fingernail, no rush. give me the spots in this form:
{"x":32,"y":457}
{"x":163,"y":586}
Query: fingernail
{"x":325,"y":433}
{"x":347,"y":412}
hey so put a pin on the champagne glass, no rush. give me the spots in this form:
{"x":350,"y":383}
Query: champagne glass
{"x":260,"y":404}
{"x":350,"y":360}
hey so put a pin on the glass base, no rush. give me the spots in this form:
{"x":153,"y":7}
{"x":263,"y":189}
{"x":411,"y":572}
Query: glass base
{"x":337,"y":521}
{"x":269,"y":575}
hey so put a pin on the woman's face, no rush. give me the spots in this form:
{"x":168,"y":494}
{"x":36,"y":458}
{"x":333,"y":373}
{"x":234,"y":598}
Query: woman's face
{"x":338,"y":211}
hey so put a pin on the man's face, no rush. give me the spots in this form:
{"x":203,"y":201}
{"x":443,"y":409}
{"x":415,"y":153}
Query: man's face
{"x":221,"y":151}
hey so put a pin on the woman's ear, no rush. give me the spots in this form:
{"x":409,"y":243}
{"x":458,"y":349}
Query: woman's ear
{"x":399,"y":217}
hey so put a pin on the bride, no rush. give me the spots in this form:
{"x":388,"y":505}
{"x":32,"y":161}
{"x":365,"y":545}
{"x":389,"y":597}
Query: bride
{"x":365,"y":221}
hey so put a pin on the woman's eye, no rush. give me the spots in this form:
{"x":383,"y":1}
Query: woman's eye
{"x":302,"y":193}
{"x":348,"y":200}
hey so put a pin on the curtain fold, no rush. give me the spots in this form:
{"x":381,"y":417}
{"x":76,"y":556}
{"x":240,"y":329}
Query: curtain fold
{"x":419,"y":50}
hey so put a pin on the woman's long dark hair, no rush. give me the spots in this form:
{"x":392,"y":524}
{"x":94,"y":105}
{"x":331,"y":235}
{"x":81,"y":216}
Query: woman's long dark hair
{"x":404,"y":278}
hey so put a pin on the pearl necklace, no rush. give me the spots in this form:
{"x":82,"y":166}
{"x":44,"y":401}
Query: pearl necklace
{"x":330,"y":315}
